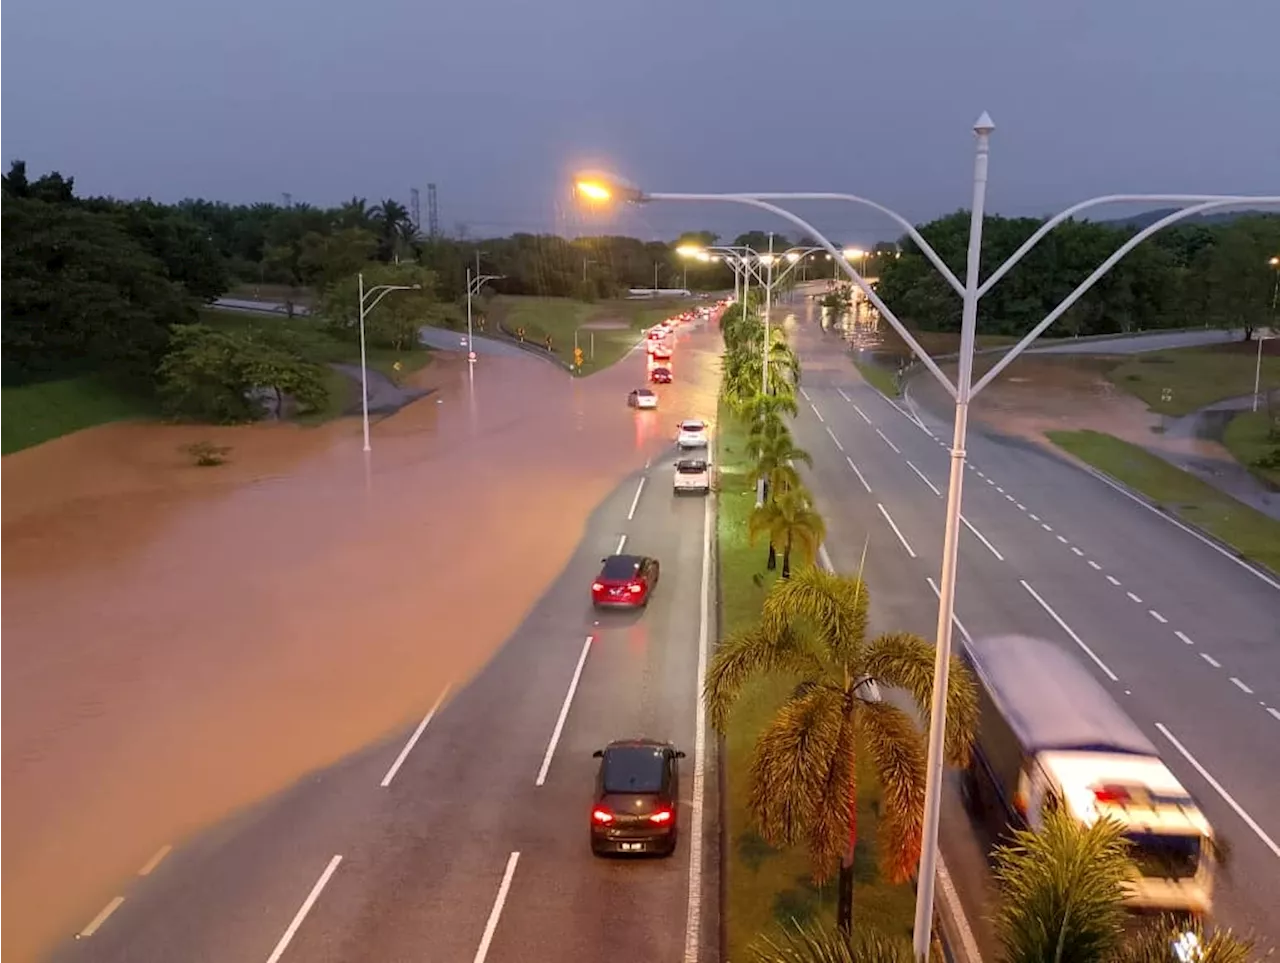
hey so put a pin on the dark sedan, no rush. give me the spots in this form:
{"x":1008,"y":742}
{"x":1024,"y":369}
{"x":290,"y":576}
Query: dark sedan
{"x":637,"y":791}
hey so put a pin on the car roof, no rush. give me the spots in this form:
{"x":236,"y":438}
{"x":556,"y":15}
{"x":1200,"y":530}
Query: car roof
{"x":643,"y":391}
{"x":617,"y":563}
{"x":693,"y":423}
{"x":638,"y":741}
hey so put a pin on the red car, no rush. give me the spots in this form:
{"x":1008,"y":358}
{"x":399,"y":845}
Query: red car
{"x":625,"y":581}
{"x":660,"y":376}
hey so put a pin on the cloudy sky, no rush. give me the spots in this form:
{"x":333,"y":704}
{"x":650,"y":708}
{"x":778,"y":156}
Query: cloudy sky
{"x":496,"y":101}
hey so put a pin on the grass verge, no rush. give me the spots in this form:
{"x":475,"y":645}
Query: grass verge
{"x":1197,"y":376}
{"x":276,"y":293}
{"x":766,"y":886}
{"x":882,"y":379}
{"x":1254,"y":535}
{"x":36,"y":413}
{"x":1250,"y":440}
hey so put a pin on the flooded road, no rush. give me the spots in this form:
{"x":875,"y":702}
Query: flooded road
{"x":181,"y":641}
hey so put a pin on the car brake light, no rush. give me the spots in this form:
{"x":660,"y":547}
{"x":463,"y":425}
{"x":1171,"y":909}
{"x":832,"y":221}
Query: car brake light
{"x":597,"y":586}
{"x":601,"y":816}
{"x":636,"y":588}
{"x":662,"y":816}
{"x":1111,"y":794}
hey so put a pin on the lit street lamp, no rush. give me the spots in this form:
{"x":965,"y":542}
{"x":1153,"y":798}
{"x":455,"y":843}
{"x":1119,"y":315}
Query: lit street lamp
{"x":474,"y":284}
{"x":381,"y":290}
{"x":598,"y":188}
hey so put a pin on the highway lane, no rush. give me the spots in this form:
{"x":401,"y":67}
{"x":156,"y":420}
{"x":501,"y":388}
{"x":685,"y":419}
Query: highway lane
{"x":408,"y":849}
{"x":1066,"y":563}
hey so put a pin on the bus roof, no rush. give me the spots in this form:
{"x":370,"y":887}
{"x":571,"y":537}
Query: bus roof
{"x":1050,"y":700}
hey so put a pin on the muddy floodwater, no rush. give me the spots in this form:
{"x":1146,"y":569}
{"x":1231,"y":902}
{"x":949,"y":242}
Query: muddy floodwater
{"x":181,"y":641}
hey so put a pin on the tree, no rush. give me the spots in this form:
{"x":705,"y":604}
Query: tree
{"x":396,"y":319}
{"x":390,"y":219}
{"x":775,"y":455}
{"x":818,"y":944}
{"x":1151,"y":944}
{"x":325,"y":259}
{"x":813,"y":628}
{"x":789,"y":520}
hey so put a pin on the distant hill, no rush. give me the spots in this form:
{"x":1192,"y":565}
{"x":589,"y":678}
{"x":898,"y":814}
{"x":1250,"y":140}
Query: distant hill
{"x":1146,"y":219}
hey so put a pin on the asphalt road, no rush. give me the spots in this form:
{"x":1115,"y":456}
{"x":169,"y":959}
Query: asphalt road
{"x":1139,"y":343}
{"x":465,"y":837}
{"x":1186,"y":635}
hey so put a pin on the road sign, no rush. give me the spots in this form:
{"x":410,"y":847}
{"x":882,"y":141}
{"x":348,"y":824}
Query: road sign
{"x":1166,"y":395}
{"x":577,"y":357}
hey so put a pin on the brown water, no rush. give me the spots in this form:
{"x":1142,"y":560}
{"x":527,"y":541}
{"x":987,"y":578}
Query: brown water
{"x":181,"y":641}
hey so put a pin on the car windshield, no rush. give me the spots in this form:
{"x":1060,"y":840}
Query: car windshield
{"x":620,"y":567}
{"x":691,"y":467}
{"x":1164,"y":856}
{"x":692,"y":426}
{"x":644,"y":393}
{"x":629,"y":769}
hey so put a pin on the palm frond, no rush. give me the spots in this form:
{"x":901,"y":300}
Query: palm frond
{"x":896,"y":745}
{"x":744,"y":655}
{"x":906,"y":661}
{"x":835,"y":605}
{"x":816,"y":943}
{"x":1152,"y":944}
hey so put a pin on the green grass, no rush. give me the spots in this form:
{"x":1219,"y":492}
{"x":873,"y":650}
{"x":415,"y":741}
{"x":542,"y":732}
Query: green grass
{"x":1251,"y":438}
{"x":561,"y":317}
{"x":1254,"y":535}
{"x":1197,"y":376}
{"x":36,"y":413}
{"x":766,"y":886}
{"x":880,"y":378}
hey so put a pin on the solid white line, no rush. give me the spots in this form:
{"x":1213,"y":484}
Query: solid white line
{"x":564,"y":712}
{"x":1183,"y":637}
{"x":862,"y":413}
{"x":1190,"y":531}
{"x":932,"y":487}
{"x":952,"y":899}
{"x":1157,"y":616}
{"x":1094,"y":565}
{"x":840,"y":391}
{"x":1241,"y":686}
{"x":1274,"y":712}
{"x":982,"y":538}
{"x":492,"y":925}
{"x":834,"y":438}
{"x":1077,"y":551}
{"x":97,"y":921}
{"x":303,"y":910}
{"x":1066,"y":628}
{"x":1226,"y":796}
{"x":904,"y":542}
{"x":954,"y":618}
{"x":804,"y":394}
{"x":887,"y":441}
{"x":858,"y":473}
{"x":635,"y":501}
{"x":154,"y":861}
{"x":621,"y":543}
{"x":1134,"y":597}
{"x":1211,"y":660}
{"x":413,"y":739}
{"x":693,"y":917}
{"x":1113,"y":580}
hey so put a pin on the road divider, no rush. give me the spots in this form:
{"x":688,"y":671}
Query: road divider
{"x":304,"y":909}
{"x":564,"y":712}
{"x":693,"y":918}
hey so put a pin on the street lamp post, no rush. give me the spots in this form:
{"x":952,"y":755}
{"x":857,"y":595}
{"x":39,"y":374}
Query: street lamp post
{"x":381,"y":290}
{"x":474,"y":284}
{"x":602,"y":188}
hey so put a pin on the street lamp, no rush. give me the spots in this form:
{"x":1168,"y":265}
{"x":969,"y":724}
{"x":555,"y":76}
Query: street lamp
{"x":599,"y":188}
{"x":474,"y":284}
{"x":381,"y":290}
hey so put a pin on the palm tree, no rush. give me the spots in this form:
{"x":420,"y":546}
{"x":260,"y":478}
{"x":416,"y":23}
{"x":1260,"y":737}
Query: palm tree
{"x":759,"y":408}
{"x":775,"y":454}
{"x":784,"y":366}
{"x":389,"y":218}
{"x":813,"y":628}
{"x":817,"y":944}
{"x":1152,"y":944}
{"x":790,"y":521}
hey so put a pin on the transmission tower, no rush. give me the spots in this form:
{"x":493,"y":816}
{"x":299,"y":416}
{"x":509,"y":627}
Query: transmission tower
{"x":415,"y":209}
{"x":288,"y":199}
{"x":433,"y":213}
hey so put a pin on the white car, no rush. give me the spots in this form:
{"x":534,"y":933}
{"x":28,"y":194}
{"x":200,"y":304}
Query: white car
{"x":693,"y":434}
{"x":642,"y":398}
{"x":692,"y":475}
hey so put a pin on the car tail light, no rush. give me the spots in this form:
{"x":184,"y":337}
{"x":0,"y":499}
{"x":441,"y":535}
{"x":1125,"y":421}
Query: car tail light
{"x":636,"y":588}
{"x":597,"y":586}
{"x":661,"y":816}
{"x":602,"y":816}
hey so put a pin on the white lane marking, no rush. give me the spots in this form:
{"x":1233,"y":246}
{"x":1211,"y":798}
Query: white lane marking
{"x":980,"y":475}
{"x":824,"y":558}
{"x":1076,"y":551}
{"x":1062,"y":539}
{"x":1094,"y":565}
{"x":1211,"y":660}
{"x":1183,"y":637}
{"x":1226,"y":796}
{"x":1066,"y":628}
{"x":989,"y":481}
{"x":904,"y":542}
{"x":862,"y":413}
{"x":1134,"y":597}
{"x":635,"y":501}
{"x":303,"y":910}
{"x":954,"y":618}
{"x":1008,"y":497}
{"x":834,"y":438}
{"x":952,"y":899}
{"x":413,"y":739}
{"x":491,"y":926}
{"x":982,"y":538}
{"x":693,"y":917}
{"x":564,"y":712}
{"x":858,"y":473}
{"x":154,"y":861}
{"x":647,"y":463}
{"x":1034,"y":517}
{"x":1000,"y":490}
{"x":887,"y":441}
{"x":96,"y":923}
{"x":804,"y":394}
{"x":1274,"y":712}
{"x":1113,"y":580}
{"x":933,"y":488}
{"x":1021,"y":507}
{"x":1157,"y":616}
{"x":840,"y":391}
{"x":1241,"y":686}
{"x":1047,"y":527}
{"x":818,"y":413}
{"x":621,"y":543}
{"x":1190,"y":531}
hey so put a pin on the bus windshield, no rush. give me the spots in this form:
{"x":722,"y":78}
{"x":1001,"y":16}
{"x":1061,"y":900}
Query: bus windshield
{"x":1165,"y":856}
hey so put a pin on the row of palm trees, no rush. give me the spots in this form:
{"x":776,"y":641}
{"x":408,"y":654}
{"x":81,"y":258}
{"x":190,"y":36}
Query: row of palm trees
{"x":1063,"y":888}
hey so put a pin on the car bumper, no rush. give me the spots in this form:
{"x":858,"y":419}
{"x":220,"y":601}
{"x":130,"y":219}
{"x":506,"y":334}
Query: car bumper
{"x":647,"y":404}
{"x":632,"y":845}
{"x":619,"y":603}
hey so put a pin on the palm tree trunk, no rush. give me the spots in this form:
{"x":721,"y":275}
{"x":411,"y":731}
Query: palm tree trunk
{"x":773,"y":558}
{"x":844,"y":885}
{"x":786,"y":559}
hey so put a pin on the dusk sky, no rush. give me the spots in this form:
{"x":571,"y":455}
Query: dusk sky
{"x":496,"y":101}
